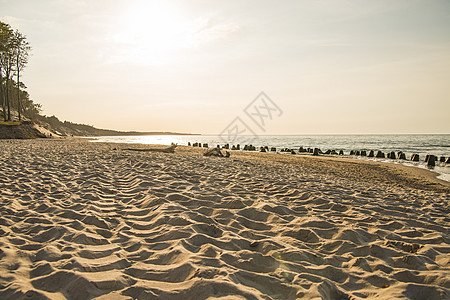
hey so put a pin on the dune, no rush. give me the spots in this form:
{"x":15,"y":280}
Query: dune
{"x":81,"y":220}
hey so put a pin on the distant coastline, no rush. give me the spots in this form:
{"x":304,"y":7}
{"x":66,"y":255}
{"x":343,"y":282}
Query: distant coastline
{"x":139,"y":133}
{"x":42,"y":127}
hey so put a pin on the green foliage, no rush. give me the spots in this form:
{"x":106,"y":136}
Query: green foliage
{"x":14,"y":52}
{"x":29,"y":108}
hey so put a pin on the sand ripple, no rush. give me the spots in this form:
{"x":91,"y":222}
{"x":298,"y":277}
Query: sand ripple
{"x":80,"y":220}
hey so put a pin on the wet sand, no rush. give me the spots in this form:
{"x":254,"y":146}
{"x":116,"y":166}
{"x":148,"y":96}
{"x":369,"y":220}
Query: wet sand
{"x":81,"y":220}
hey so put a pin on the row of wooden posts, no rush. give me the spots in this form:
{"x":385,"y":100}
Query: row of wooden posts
{"x":430,"y":159}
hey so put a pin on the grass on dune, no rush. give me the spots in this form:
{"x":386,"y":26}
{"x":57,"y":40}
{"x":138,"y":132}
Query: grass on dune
{"x":10,"y":123}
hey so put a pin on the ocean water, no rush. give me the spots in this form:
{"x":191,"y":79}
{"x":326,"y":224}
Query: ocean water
{"x":436,"y":144}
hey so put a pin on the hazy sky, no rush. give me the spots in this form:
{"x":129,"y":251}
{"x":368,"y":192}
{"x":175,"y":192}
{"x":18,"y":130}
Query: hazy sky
{"x":193,"y":66}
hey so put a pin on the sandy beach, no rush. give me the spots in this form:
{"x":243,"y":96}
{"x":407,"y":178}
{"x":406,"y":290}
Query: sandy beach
{"x":82,"y":220}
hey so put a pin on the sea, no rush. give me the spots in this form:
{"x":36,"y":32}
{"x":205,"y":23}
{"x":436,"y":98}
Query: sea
{"x":423,"y":144}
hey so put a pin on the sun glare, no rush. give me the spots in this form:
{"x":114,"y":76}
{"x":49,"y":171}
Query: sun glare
{"x":151,"y":33}
{"x":155,"y":33}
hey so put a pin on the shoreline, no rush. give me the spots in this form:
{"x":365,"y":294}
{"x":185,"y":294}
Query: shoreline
{"x":442,"y":169}
{"x":82,"y":220}
{"x":410,"y":173}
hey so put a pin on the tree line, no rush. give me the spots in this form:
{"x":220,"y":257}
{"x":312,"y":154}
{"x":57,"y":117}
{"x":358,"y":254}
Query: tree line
{"x":14,"y":53}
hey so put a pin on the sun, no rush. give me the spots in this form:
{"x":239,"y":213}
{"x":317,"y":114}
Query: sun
{"x":152,"y":32}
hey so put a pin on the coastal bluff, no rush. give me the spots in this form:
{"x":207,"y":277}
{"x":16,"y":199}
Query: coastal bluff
{"x":22,"y":130}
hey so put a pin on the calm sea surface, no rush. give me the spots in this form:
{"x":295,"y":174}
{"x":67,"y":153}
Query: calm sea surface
{"x":438,"y":144}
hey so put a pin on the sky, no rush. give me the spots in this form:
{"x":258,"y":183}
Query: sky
{"x":330,"y":67}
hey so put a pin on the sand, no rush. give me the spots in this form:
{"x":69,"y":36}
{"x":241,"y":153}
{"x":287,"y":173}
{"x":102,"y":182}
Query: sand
{"x":81,"y":220}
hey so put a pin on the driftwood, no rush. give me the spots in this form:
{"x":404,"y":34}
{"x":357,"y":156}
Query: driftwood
{"x":170,"y":149}
{"x":216,"y":152}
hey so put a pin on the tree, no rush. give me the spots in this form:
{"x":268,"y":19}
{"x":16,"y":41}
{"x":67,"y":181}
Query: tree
{"x":5,"y":41}
{"x":29,"y":108}
{"x":7,"y":62}
{"x":22,"y":49}
{"x":14,"y":51}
